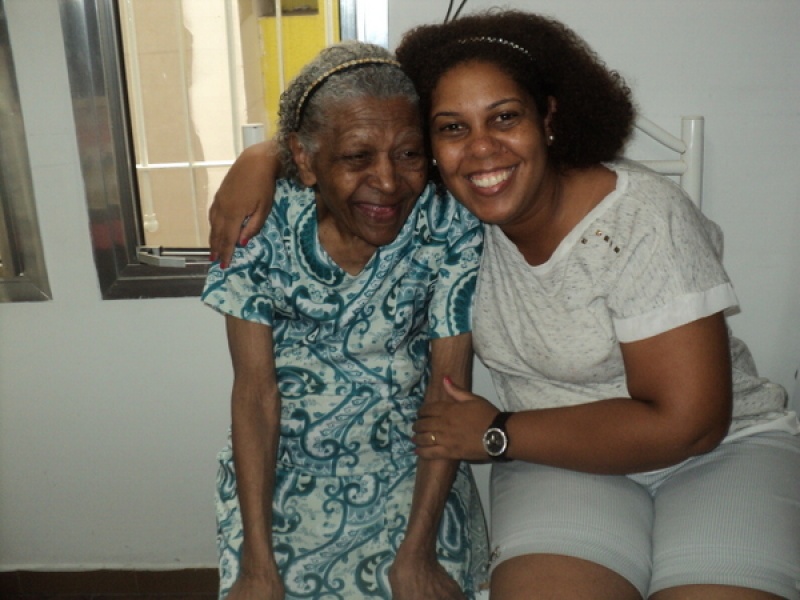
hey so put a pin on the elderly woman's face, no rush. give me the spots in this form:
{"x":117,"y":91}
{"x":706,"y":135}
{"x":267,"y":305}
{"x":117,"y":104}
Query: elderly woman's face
{"x":369,"y":169}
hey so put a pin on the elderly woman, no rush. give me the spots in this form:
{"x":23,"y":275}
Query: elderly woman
{"x":344,"y":314}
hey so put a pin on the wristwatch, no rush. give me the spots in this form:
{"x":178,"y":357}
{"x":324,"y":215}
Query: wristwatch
{"x":495,"y":440}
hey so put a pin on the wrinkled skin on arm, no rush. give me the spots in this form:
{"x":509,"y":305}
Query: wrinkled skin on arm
{"x":416,"y":573}
{"x":255,"y":411}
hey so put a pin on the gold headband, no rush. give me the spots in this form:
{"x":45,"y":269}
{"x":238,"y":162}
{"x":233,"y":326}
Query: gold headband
{"x":496,"y":40}
{"x":345,"y":66}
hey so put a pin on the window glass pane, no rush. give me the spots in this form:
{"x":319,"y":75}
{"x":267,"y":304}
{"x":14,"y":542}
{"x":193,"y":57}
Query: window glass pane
{"x":186,"y":105}
{"x":170,"y":216}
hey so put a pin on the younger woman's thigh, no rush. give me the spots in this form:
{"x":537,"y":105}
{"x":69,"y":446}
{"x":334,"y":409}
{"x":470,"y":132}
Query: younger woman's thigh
{"x":558,"y":527}
{"x":551,"y":577}
{"x":732,"y":518}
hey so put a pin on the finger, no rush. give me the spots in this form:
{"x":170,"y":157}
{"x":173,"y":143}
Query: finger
{"x":433,"y":410}
{"x":226,"y":246}
{"x":426,"y":439}
{"x":213,"y":234}
{"x":456,"y":392}
{"x":432,"y":452}
{"x":422,"y":424}
{"x":222,"y":235}
{"x":251,"y":226}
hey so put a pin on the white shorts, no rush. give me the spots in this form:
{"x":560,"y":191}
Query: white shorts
{"x":730,"y":517}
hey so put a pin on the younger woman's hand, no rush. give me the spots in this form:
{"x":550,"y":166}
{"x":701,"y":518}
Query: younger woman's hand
{"x":243,"y":201}
{"x":454,"y":428}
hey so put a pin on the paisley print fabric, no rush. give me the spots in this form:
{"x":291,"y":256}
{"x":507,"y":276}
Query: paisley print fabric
{"x":351,"y":357}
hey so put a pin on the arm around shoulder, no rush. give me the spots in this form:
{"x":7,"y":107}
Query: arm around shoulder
{"x":244,"y":199}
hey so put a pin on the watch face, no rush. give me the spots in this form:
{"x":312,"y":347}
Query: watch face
{"x":494,"y":442}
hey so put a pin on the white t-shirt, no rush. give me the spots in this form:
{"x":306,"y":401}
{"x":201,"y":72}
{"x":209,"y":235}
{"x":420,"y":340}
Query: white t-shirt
{"x":643,"y":261}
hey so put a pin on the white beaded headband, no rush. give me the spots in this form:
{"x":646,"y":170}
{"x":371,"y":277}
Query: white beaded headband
{"x":345,"y":66}
{"x":496,"y":40}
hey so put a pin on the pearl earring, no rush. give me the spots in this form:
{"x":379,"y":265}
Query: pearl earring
{"x":434,"y":162}
{"x":551,"y":138}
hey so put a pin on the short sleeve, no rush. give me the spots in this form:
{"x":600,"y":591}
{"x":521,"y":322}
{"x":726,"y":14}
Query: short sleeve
{"x":450,"y":310}
{"x":672,"y":273}
{"x":254,"y":284}
{"x":240,"y":290}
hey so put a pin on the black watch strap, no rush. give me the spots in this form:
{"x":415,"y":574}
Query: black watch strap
{"x":499,"y":423}
{"x":500,"y":419}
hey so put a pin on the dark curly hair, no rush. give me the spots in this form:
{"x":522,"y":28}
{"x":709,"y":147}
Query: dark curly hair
{"x":595,"y":113}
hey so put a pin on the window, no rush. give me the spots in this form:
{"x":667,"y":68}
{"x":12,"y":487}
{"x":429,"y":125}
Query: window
{"x":162,"y":91}
{"x":23,"y":275}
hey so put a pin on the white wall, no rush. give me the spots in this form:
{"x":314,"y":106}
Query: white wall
{"x":111,"y":412}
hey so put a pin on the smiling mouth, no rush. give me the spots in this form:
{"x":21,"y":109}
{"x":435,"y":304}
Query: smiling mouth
{"x":487,"y":180}
{"x":379,"y":212}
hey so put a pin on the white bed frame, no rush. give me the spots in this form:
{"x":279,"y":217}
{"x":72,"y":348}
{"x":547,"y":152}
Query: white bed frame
{"x":689,"y":165}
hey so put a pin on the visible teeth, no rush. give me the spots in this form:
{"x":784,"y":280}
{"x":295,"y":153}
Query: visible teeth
{"x":485,"y":181}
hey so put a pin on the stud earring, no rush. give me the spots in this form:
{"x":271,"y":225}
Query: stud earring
{"x":434,"y":162}
{"x":551,"y":138}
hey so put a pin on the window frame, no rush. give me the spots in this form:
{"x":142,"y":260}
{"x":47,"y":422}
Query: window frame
{"x":95,"y":66}
{"x":99,"y":100}
{"x":23,"y":275}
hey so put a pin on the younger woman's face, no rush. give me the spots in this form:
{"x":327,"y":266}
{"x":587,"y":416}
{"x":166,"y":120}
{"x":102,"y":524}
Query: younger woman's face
{"x":489,"y":141}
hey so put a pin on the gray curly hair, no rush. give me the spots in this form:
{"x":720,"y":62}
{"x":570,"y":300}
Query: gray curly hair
{"x":338,"y":73}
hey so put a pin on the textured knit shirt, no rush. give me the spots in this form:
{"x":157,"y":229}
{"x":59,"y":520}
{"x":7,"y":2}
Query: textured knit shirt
{"x":645,"y":260}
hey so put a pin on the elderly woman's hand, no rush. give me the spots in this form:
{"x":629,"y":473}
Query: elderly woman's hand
{"x":415,"y":578}
{"x":268,"y":587}
{"x":454,"y":428}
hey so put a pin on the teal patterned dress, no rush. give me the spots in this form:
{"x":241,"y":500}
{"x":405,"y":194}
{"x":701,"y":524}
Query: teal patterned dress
{"x":351,"y":356}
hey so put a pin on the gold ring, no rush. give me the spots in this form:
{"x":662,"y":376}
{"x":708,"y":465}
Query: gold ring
{"x":433,"y":439}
